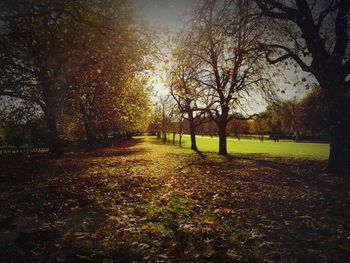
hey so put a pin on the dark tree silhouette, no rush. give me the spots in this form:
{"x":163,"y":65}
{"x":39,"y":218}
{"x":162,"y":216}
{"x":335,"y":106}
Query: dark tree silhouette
{"x":318,"y":41}
{"x":231,"y":69}
{"x":184,"y":91}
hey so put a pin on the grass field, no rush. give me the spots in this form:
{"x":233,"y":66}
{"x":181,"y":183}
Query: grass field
{"x":145,"y":201}
{"x":282,"y":148}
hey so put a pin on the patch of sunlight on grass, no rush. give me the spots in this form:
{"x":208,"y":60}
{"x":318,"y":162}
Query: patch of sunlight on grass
{"x":284,"y":148}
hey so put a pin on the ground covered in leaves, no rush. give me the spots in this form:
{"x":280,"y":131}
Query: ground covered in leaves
{"x":144,"y":201}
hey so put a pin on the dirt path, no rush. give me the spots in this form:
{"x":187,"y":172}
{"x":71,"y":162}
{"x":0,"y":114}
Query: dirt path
{"x":144,"y":201}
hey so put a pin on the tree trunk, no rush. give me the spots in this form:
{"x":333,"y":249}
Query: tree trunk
{"x":180,"y":139}
{"x":339,"y":126}
{"x":174,"y":137}
{"x":90,"y":134}
{"x":192,"y":131}
{"x":222,"y":125}
{"x":105,"y":135}
{"x":164,"y":136}
{"x":222,"y":138}
{"x":51,"y":123}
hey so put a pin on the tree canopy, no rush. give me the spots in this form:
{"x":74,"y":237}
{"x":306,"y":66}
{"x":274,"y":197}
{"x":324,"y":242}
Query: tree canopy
{"x":78,"y":58}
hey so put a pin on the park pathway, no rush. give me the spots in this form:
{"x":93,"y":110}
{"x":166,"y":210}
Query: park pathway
{"x":146,"y":201}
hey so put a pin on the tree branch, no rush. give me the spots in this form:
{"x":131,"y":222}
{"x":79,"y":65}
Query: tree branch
{"x":341,"y":30}
{"x":287,"y":13}
{"x":288,"y":55}
{"x":235,"y":117}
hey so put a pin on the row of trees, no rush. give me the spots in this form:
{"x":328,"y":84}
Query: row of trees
{"x":226,"y":59}
{"x":304,"y":118}
{"x":308,"y":116}
{"x":219,"y":67}
{"x":80,"y":63}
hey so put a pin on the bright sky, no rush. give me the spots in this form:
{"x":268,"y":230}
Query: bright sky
{"x":172,"y":14}
{"x":164,"y":14}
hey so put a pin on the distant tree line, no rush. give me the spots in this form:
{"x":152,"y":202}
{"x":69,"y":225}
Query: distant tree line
{"x":306,"y":118}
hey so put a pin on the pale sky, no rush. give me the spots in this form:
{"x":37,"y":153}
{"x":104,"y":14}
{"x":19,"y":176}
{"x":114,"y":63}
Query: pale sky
{"x":172,"y":14}
{"x":164,"y":14}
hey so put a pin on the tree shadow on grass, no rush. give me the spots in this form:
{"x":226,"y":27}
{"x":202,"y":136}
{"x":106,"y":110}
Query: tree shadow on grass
{"x":123,"y":148}
{"x":200,"y":154}
{"x":299,"y":170}
{"x":51,"y":208}
{"x":281,"y":198}
{"x":42,"y":216}
{"x":296,"y":169}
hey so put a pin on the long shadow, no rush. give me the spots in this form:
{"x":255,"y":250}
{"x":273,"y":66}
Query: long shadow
{"x":55,"y":212}
{"x":160,"y":142}
{"x":200,"y":154}
{"x":124,"y":148}
{"x":51,"y":212}
{"x":105,"y":154}
{"x":155,"y":141}
{"x":285,"y":169}
{"x":303,"y":166}
{"x":276,"y":166}
{"x":312,"y":181}
{"x":297,"y":170}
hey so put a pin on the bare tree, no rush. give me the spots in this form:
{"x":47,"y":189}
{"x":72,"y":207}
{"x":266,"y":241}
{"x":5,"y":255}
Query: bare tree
{"x":184,"y":91}
{"x":168,"y":109}
{"x":316,"y":37}
{"x":231,"y":72}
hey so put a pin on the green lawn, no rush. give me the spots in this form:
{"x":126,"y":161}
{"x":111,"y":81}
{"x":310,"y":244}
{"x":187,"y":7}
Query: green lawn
{"x":281,"y":148}
{"x":145,"y":201}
